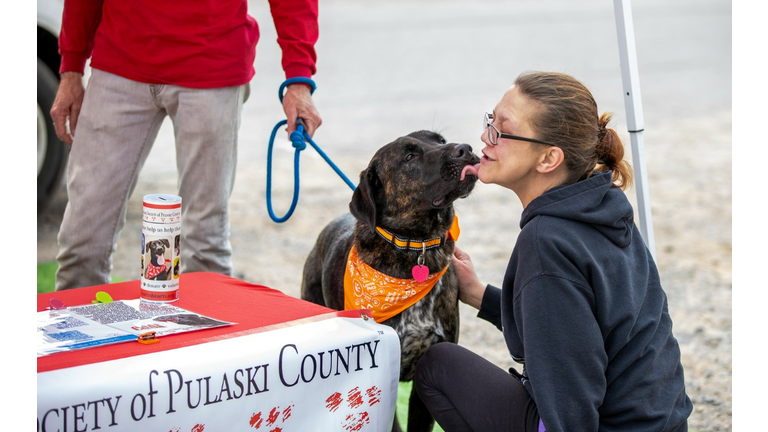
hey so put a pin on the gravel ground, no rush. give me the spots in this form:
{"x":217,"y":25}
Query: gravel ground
{"x":687,"y":142}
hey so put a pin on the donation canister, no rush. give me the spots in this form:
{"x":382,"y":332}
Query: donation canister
{"x":160,"y":241}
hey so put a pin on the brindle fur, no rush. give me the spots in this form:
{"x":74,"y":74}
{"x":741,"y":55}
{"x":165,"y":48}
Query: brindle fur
{"x":413,"y":198}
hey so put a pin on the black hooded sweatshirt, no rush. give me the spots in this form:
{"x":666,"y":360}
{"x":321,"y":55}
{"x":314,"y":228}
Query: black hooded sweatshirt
{"x":582,"y":307}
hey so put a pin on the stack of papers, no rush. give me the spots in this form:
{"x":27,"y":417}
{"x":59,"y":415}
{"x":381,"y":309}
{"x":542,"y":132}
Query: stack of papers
{"x":99,"y":324}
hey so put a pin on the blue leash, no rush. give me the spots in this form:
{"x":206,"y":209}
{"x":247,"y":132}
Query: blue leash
{"x":298,"y":138}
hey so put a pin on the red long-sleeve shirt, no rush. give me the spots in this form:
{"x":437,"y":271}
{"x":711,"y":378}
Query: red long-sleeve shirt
{"x":198,"y":43}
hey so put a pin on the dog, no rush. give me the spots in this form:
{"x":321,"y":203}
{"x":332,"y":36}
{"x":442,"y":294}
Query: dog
{"x":157,"y":269}
{"x":400,"y":216}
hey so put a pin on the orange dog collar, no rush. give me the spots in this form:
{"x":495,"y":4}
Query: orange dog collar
{"x":406,"y":243}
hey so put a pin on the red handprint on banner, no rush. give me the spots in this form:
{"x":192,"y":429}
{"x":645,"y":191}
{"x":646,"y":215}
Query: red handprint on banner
{"x":374,"y":395}
{"x":196,"y":428}
{"x":272,"y":421}
{"x":357,"y":419}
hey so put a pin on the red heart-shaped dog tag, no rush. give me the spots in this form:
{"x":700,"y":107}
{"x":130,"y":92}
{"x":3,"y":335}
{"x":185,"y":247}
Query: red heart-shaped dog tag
{"x":420,"y":273}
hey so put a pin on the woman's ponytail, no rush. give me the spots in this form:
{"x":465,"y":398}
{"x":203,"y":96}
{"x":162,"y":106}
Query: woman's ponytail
{"x":610,"y":153}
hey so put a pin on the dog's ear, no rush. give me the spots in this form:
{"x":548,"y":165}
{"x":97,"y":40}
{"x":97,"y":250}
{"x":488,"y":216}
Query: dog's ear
{"x":148,"y":243}
{"x":166,"y":243}
{"x":363,"y":204}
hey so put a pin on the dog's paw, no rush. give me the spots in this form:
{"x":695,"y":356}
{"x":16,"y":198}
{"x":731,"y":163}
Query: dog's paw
{"x":356,"y":402}
{"x":273,"y":421}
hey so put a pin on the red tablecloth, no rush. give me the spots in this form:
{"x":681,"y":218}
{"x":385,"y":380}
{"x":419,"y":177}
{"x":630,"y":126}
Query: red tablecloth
{"x":285,"y":365}
{"x":254,"y":308}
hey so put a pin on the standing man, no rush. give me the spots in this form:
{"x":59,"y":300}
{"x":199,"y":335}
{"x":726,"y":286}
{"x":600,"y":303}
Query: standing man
{"x":190,"y":61}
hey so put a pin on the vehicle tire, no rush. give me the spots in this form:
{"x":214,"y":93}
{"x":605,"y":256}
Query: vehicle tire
{"x":51,"y":151}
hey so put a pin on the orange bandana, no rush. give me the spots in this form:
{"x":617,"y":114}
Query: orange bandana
{"x":385,"y":296}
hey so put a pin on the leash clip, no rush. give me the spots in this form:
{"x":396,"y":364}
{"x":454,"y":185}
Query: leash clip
{"x":420,"y":271}
{"x":420,"y":260}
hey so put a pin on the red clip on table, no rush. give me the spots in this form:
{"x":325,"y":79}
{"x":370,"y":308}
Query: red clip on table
{"x":286,"y":365}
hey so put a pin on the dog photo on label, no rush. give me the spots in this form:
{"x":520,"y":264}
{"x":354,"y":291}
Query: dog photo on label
{"x":158,"y":265}
{"x":392,"y":253}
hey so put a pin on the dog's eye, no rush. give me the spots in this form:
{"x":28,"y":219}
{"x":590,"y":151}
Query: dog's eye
{"x":409,"y":156}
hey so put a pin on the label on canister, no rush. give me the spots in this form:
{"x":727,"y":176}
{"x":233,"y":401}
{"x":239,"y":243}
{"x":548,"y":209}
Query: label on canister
{"x":160,"y":248}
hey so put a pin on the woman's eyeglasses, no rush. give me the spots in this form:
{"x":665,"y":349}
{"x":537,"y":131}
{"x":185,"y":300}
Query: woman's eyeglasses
{"x":494,"y":134}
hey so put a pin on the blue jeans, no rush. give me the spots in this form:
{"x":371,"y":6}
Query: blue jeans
{"x":116,"y":129}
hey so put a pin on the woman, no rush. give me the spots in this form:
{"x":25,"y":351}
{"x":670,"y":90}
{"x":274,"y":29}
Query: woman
{"x":581,"y":305}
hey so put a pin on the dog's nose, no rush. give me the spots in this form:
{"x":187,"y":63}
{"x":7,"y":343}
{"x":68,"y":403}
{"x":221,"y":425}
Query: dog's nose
{"x":461,"y":151}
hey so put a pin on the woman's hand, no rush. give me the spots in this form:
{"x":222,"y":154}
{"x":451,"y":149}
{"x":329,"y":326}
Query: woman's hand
{"x":471,"y":290}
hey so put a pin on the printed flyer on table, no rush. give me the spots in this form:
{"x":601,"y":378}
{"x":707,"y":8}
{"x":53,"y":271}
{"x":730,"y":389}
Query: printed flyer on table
{"x":78,"y":327}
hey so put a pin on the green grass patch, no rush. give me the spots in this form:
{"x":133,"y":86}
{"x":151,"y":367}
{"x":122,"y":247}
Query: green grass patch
{"x":46,"y":277}
{"x":403,"y":394}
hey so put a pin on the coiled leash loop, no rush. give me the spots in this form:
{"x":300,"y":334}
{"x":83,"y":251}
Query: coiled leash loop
{"x":298,"y":138}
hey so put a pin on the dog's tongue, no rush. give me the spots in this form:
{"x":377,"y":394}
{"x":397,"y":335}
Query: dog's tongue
{"x":160,"y":260}
{"x":469,"y":169}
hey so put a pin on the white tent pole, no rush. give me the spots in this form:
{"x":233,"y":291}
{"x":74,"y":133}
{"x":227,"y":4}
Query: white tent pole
{"x":635,"y":123}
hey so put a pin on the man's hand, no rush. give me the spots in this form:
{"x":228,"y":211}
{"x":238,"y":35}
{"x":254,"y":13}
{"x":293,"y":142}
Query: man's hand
{"x":471,"y":290}
{"x":297,"y":103}
{"x":69,"y":100}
